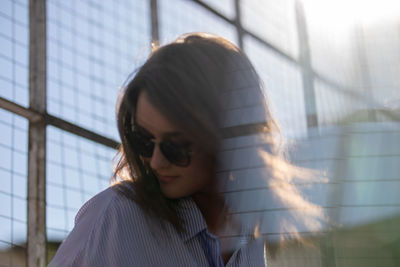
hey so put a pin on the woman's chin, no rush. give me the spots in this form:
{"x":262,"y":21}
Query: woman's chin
{"x":172,"y":193}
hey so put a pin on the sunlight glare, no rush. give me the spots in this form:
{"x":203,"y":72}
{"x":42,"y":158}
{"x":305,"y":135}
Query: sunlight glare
{"x":341,"y":15}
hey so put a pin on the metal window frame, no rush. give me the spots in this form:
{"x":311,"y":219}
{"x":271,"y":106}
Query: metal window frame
{"x":36,"y":241}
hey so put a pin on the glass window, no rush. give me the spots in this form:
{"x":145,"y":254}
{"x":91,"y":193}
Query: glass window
{"x":14,"y":50}
{"x":93,"y":47}
{"x":13,"y":190}
{"x":226,"y":7}
{"x":178,"y":17}
{"x":273,"y":21}
{"x":77,"y":169}
{"x":283,"y":84}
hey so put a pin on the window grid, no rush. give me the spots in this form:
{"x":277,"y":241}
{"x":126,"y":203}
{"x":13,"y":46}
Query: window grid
{"x":68,"y":178}
{"x":272,"y":21}
{"x":173,"y":13}
{"x":14,"y":51}
{"x":89,"y":76}
{"x":13,"y":192}
{"x":283,"y":85}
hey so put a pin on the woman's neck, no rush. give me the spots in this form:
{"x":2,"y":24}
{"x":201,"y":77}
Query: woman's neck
{"x":212,"y":207}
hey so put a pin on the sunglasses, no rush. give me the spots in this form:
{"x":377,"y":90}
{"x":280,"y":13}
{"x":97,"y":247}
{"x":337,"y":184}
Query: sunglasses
{"x":177,"y":154}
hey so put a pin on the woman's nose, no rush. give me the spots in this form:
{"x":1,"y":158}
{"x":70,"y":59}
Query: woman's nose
{"x":158,"y":161}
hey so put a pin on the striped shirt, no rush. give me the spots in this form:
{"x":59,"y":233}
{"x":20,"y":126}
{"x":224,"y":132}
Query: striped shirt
{"x":112,"y":230}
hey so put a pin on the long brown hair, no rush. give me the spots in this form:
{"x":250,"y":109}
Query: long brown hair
{"x":186,"y":80}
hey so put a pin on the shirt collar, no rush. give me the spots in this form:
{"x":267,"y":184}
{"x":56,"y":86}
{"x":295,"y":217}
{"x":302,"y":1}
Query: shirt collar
{"x":192,"y":219}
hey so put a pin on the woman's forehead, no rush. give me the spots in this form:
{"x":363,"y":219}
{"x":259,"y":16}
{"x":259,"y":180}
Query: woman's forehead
{"x":151,"y":119}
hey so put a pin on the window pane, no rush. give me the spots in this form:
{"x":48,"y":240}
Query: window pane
{"x":77,"y":169}
{"x":179,"y":16}
{"x":93,"y":47}
{"x":13,"y":189}
{"x":14,"y":50}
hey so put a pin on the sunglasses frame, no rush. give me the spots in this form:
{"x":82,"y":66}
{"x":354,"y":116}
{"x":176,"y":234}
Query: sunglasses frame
{"x":162,"y":146}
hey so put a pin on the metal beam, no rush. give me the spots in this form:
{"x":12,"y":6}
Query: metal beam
{"x":364,"y":70}
{"x":35,"y":117}
{"x":82,"y":132}
{"x":27,"y":113}
{"x":215,"y":12}
{"x":244,"y":130}
{"x":238,"y":23}
{"x":37,"y":136}
{"x":306,"y":68}
{"x":155,"y":36}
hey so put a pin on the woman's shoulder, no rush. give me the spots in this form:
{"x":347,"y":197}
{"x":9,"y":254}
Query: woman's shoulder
{"x":104,"y":225}
{"x":110,"y":202}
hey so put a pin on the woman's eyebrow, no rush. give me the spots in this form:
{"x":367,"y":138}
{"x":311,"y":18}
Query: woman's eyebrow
{"x":166,"y":135}
{"x":169,"y":135}
{"x":143,"y":130}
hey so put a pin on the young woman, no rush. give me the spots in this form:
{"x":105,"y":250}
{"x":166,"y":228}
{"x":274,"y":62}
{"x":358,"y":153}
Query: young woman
{"x":165,"y":208}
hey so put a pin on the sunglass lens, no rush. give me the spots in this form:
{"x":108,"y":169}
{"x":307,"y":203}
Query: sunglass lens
{"x":176,"y":154}
{"x":142,"y":145}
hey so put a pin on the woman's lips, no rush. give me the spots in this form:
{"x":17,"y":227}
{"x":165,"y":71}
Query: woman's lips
{"x":166,"y":179}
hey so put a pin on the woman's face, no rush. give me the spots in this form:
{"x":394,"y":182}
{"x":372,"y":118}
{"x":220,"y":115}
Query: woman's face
{"x":175,"y":181}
